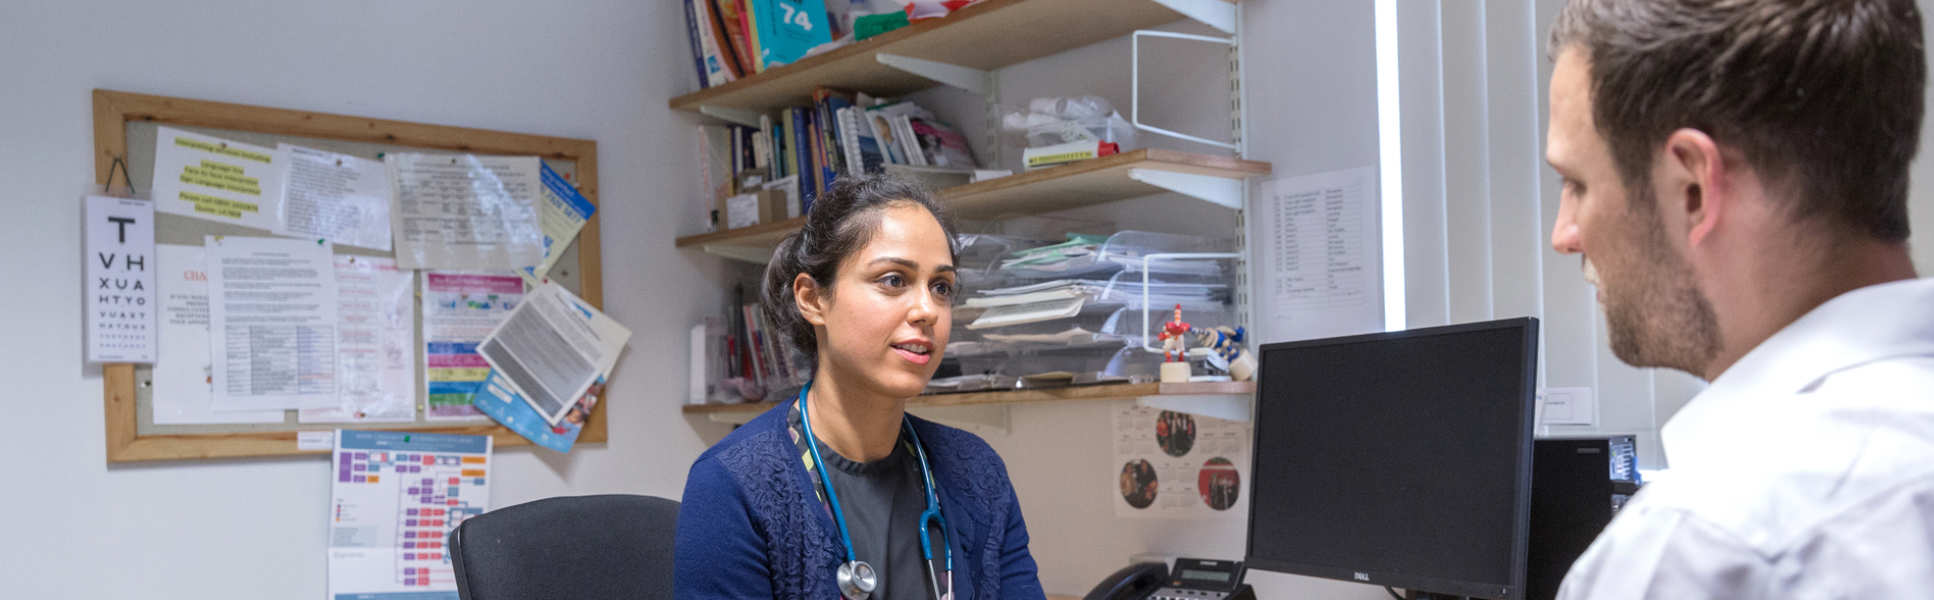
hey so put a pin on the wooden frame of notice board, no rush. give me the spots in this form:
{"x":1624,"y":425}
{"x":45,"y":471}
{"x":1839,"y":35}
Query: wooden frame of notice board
{"x":131,"y":434}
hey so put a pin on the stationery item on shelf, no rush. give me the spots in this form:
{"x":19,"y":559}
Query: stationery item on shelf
{"x":883,"y":119}
{"x":1071,"y":336}
{"x":562,"y":214}
{"x":333,"y":196}
{"x":463,"y":211}
{"x":459,"y":311}
{"x":184,"y":389}
{"x":376,"y":328}
{"x":862,"y":149}
{"x":1063,"y":292}
{"x":785,"y":30}
{"x":990,"y":174}
{"x":120,"y":292}
{"x":394,"y":498}
{"x":272,"y":322}
{"x":1060,"y":154}
{"x":1053,"y":120}
{"x":1032,"y":312}
{"x":971,"y":383}
{"x":216,"y":180}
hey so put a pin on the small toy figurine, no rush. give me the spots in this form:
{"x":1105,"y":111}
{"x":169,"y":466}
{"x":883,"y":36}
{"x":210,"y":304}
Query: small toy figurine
{"x":1173,"y":347}
{"x":1175,"y":350}
{"x":1229,"y":352}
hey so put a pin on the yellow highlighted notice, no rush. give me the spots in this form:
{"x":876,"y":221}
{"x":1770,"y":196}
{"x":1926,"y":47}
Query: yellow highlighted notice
{"x":222,"y":149}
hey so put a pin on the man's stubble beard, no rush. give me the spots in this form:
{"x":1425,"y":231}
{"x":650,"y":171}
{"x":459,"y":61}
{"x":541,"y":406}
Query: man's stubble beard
{"x":1656,"y":315}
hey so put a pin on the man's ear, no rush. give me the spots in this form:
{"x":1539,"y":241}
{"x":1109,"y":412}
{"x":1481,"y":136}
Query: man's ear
{"x":812,"y":303}
{"x":1695,"y":191}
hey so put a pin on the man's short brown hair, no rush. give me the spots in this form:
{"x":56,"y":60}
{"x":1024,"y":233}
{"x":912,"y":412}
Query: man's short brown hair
{"x":1823,"y":97}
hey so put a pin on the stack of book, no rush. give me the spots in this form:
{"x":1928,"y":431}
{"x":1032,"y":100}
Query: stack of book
{"x":802,"y":150}
{"x":734,"y":39}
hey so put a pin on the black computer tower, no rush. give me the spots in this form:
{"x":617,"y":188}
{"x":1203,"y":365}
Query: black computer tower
{"x":1576,"y":486}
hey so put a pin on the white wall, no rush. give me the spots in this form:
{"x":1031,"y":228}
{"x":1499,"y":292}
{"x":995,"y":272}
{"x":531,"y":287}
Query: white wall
{"x":602,"y":70}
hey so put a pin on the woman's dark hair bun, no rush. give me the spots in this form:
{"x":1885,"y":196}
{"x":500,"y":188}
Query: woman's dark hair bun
{"x":842,"y":220}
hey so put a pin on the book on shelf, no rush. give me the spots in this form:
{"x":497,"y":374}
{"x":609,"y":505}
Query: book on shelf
{"x":713,"y":70}
{"x":783,"y":31}
{"x":731,"y":17}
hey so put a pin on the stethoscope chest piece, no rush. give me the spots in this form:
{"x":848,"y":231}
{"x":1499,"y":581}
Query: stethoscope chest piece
{"x":857,"y":580}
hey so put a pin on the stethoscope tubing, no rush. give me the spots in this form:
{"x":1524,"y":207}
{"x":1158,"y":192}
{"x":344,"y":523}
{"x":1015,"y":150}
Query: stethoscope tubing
{"x":930,"y":515}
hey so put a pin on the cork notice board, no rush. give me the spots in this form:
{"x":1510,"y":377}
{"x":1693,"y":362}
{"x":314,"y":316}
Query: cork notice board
{"x":124,"y":128}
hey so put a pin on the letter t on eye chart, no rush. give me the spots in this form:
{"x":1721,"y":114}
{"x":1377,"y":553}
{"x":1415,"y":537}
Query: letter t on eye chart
{"x":272,"y":308}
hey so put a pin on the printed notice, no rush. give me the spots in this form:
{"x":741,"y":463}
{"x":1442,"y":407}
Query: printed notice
{"x":394,"y":498}
{"x":552,"y":348}
{"x":375,"y":330}
{"x":272,"y":314}
{"x":466,"y":212}
{"x":336,"y":197}
{"x":120,"y":282}
{"x":1321,"y":273}
{"x":215,"y":179}
{"x":562,"y":213}
{"x":1176,"y":464}
{"x":459,"y":311}
{"x":184,"y":390}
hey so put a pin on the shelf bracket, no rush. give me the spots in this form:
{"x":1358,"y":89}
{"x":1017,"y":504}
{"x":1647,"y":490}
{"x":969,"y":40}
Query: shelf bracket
{"x":970,"y":79}
{"x":1135,"y":86}
{"x":736,"y":115}
{"x":1229,"y":407}
{"x":1220,"y":14}
{"x":985,"y":420}
{"x":1222,"y":191}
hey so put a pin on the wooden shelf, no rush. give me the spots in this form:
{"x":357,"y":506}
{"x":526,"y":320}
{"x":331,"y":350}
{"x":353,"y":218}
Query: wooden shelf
{"x":1085,"y":183}
{"x":1082,"y":392}
{"x":988,"y":35}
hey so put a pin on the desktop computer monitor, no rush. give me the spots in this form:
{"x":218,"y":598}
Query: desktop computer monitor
{"x":1400,"y":459}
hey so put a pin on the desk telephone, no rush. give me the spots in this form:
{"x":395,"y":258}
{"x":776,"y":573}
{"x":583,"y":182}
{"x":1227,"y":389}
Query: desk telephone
{"x":1193,"y":579}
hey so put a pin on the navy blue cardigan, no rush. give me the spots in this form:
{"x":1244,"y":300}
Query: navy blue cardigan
{"x":751,"y":527}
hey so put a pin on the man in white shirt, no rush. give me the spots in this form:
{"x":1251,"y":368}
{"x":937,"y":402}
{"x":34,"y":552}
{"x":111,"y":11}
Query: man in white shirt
{"x":1735,"y":181}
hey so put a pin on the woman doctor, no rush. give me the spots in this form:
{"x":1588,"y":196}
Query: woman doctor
{"x":838,"y":492}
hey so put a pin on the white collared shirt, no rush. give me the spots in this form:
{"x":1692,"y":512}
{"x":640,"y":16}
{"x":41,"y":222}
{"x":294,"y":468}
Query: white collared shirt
{"x":1804,"y":471}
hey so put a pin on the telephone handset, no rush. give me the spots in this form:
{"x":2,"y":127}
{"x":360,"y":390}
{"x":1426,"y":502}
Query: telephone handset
{"x":1193,"y":579}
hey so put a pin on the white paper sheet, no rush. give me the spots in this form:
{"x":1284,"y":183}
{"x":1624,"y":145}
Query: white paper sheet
{"x":216,"y":180}
{"x":1319,"y":245}
{"x":1171,"y":464}
{"x":459,"y":311}
{"x":394,"y":498}
{"x":465,"y":211}
{"x":552,"y":348}
{"x":376,"y":329}
{"x":184,"y":390}
{"x":337,"y":197}
{"x":120,"y":280}
{"x":272,"y":314}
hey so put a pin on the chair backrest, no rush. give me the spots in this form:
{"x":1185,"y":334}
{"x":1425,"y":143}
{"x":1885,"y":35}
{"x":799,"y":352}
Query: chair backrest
{"x":581,"y":547}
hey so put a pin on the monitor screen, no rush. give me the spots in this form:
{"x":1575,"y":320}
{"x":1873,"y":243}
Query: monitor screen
{"x":1399,"y":459}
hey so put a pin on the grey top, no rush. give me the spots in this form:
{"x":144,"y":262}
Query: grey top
{"x":882,"y":501}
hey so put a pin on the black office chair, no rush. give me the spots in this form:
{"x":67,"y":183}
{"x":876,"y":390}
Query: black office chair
{"x":582,"y":548}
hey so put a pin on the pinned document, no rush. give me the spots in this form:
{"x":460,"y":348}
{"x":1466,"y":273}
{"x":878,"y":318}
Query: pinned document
{"x":337,"y":197}
{"x":465,"y":211}
{"x":272,"y":314}
{"x":552,"y":348}
{"x":395,"y":496}
{"x":216,"y":180}
{"x":562,"y":214}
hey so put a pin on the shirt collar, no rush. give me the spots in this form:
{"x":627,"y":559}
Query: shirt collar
{"x":1858,"y":327}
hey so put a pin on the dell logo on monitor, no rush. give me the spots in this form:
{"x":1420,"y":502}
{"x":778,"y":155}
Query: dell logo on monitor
{"x":1362,"y":576}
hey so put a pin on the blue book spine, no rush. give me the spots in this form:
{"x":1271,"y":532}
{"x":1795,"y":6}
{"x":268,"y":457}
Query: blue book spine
{"x":698,"y":52}
{"x":803,"y":153}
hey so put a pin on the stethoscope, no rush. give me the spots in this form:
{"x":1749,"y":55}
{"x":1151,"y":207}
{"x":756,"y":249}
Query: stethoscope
{"x":856,"y":578}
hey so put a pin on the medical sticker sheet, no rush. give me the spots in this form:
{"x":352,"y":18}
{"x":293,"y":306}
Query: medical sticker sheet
{"x":1175,"y":464}
{"x":396,"y":496}
{"x":217,"y":180}
{"x":459,"y":311}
